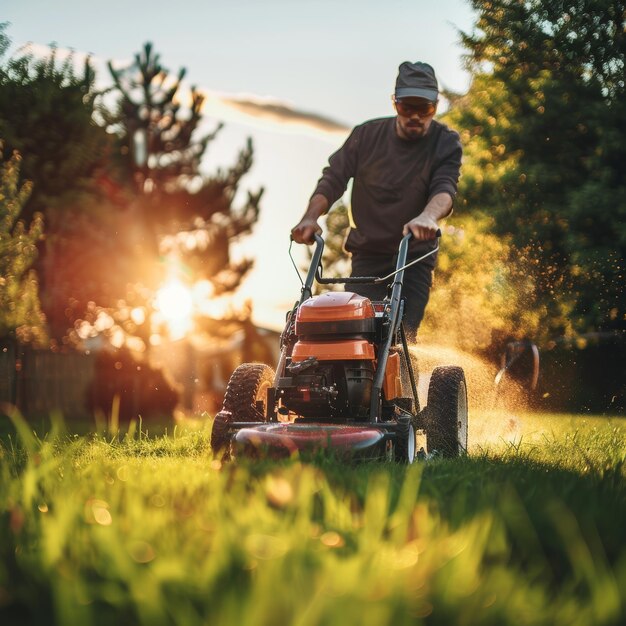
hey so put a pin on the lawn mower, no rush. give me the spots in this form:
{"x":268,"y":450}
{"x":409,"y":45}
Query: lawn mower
{"x":344,"y":382}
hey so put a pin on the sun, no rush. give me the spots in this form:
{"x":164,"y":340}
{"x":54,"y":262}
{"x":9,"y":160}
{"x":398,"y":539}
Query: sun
{"x":174,"y":302}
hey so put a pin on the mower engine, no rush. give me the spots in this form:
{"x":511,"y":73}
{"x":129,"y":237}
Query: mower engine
{"x":330,"y":371}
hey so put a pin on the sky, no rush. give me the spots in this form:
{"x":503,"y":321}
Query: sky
{"x":294,"y":75}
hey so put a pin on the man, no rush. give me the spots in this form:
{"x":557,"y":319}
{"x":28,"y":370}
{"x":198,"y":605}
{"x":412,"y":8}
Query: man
{"x":405,"y":170}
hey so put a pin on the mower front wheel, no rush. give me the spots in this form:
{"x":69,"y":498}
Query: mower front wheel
{"x":246,"y":392}
{"x":245,"y":400}
{"x":446,"y":412}
{"x":220,"y":436}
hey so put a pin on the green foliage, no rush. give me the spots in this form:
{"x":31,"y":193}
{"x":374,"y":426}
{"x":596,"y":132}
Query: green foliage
{"x":597,"y":236}
{"x":137,"y":530}
{"x":544,"y":135}
{"x":157,"y":144}
{"x":20,"y":313}
{"x":46,"y":115}
{"x":46,"y":111}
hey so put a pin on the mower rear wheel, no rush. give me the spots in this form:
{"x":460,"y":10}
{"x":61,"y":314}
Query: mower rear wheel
{"x":446,"y":412}
{"x":246,"y":392}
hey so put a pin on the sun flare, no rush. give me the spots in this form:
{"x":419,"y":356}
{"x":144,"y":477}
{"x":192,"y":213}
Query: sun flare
{"x":174,"y":302}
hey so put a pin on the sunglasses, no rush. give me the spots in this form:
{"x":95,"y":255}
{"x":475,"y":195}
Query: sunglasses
{"x":406,"y":109}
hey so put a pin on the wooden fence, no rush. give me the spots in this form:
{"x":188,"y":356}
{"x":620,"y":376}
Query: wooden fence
{"x":39,"y":381}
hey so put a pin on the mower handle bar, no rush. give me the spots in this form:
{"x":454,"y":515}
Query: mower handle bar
{"x":372,"y":280}
{"x":314,"y":272}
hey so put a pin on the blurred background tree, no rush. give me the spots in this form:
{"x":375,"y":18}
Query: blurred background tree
{"x":137,"y":247}
{"x":543,"y":126}
{"x":185,"y":215}
{"x":20,"y":312}
{"x":46,"y":113}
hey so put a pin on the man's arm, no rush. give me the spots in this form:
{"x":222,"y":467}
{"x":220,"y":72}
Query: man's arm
{"x":425,"y":225}
{"x":335,"y":176}
{"x":443,"y":188}
{"x":304,"y":230}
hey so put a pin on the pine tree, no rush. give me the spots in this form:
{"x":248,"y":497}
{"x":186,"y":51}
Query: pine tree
{"x":160,"y":151}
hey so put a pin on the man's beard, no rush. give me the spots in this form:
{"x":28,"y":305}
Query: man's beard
{"x":413,"y":130}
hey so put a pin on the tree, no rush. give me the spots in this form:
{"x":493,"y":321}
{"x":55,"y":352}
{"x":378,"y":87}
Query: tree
{"x":118,"y":225}
{"x":20,"y":312}
{"x":159,"y":149}
{"x":544,"y":141}
{"x":46,"y":114}
{"x":181,"y":223}
{"x":157,"y":144}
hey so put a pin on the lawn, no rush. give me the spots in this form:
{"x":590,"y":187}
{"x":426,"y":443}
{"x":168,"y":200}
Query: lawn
{"x":151,"y":529}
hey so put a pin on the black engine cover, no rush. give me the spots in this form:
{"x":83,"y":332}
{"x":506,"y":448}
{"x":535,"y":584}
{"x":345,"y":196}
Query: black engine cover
{"x":329,"y":389}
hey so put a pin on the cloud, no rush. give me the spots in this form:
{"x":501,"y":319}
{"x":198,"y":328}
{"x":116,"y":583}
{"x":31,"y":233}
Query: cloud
{"x":283,"y":113}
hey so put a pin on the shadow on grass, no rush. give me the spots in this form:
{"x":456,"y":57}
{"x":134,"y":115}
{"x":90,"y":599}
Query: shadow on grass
{"x":543,"y":505}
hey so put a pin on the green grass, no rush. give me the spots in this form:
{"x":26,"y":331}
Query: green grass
{"x":137,"y":529}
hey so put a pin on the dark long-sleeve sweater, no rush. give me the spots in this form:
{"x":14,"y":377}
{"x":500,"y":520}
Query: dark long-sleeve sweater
{"x":394,"y":179}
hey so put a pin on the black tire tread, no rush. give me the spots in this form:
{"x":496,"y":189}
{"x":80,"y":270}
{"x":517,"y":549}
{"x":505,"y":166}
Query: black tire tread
{"x":402,"y":442}
{"x":219,"y":434}
{"x":242,"y":391}
{"x":442,"y":410}
{"x":239,"y":403}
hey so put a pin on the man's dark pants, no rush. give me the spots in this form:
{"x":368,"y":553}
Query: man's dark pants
{"x":418,"y":280}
